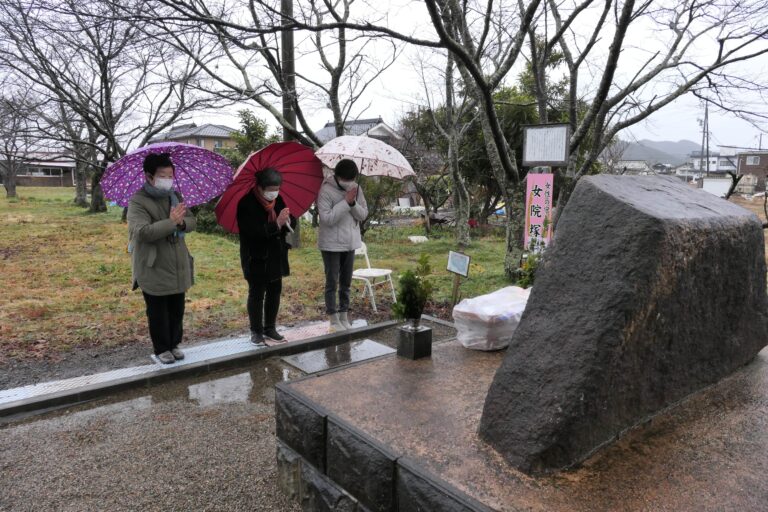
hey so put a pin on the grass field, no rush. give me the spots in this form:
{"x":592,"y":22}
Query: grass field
{"x":65,"y":277}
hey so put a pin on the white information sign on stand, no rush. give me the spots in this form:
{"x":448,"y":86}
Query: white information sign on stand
{"x":458,"y":263}
{"x":546,"y":145}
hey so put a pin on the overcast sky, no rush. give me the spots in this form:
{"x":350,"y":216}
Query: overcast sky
{"x":400,"y":87}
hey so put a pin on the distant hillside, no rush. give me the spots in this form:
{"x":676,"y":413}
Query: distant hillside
{"x":666,"y":152}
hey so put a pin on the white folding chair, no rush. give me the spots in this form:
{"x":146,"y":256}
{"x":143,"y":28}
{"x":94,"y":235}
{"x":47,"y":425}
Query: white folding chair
{"x":373,"y":276}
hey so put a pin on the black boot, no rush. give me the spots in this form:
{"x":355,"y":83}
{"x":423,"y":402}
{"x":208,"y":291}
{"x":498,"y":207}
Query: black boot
{"x":271,"y":332}
{"x":257,"y":339}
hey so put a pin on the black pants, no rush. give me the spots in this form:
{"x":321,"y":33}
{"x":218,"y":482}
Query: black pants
{"x":263,"y":304}
{"x":166,"y":320}
{"x":338,"y":273}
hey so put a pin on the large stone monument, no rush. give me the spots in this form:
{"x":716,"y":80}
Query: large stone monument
{"x":651,"y":291}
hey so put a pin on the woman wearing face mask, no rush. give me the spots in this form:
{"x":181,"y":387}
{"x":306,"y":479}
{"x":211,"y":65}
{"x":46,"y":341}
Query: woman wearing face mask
{"x":264,"y":221}
{"x":342,"y":207}
{"x":162,"y":265}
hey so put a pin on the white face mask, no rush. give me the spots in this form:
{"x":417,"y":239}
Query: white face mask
{"x":271,"y":196}
{"x":164,"y":183}
{"x":346,"y":185}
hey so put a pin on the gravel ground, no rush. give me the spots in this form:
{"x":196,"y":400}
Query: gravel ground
{"x":203,"y":445}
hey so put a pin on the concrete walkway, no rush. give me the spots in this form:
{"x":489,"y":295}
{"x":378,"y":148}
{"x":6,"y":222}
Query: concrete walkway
{"x":198,"y":359}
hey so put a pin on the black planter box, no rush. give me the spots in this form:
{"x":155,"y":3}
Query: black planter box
{"x":414,"y":342}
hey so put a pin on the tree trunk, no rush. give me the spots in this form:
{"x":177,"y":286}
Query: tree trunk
{"x":98,"y":205}
{"x":506,"y":185}
{"x":460,"y":195}
{"x":81,"y":185}
{"x":295,"y":237}
{"x":427,"y":221}
{"x":569,"y":183}
{"x":315,"y":217}
{"x":9,"y":182}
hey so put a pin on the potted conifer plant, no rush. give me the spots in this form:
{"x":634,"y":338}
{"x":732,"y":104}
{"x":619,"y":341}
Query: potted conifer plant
{"x":415,"y":340}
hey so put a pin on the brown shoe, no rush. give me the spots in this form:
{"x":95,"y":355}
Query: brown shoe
{"x":177,"y":353}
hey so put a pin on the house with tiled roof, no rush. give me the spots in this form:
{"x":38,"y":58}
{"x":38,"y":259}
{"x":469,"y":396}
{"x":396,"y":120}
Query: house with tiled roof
{"x":374,"y":128}
{"x":208,"y":136}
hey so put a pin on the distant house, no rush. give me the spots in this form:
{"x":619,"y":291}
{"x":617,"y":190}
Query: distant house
{"x":45,"y":169}
{"x":687,"y":172}
{"x":661,"y":168}
{"x":755,"y":163}
{"x":720,"y":162}
{"x":208,"y":136}
{"x":374,"y":128}
{"x":747,"y":184}
{"x":634,"y":167}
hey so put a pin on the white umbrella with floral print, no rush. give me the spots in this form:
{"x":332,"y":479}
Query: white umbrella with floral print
{"x":373,"y":157}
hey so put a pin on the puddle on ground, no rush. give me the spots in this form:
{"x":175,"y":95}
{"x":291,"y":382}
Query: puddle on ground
{"x":249,"y":384}
{"x":339,"y":355}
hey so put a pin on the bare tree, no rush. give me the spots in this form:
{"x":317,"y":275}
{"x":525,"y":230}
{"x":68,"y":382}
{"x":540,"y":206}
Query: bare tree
{"x":697,"y":44}
{"x":124,"y":86}
{"x":235,"y":43}
{"x":453,"y":129}
{"x":346,"y":60}
{"x":611,"y":155}
{"x":15,"y":144}
{"x":432,"y":181}
{"x":484,"y":56}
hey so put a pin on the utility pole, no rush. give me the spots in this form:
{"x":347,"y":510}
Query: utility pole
{"x":289,"y":91}
{"x":706,"y":131}
{"x":701,"y":151}
{"x":289,"y":70}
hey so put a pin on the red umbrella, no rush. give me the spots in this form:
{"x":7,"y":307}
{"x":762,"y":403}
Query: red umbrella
{"x":302,"y":177}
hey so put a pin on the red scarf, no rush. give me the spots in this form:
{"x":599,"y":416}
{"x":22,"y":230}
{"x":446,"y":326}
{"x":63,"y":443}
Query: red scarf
{"x":269,"y":206}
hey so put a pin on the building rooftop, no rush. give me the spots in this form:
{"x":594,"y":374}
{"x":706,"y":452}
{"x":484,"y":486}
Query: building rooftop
{"x":191,"y":130}
{"x":355,"y":127}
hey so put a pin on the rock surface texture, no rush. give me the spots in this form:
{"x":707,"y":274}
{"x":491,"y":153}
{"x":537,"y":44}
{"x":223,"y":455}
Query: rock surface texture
{"x":651,"y":291}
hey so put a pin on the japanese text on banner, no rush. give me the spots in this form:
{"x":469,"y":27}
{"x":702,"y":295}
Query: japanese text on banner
{"x":538,"y":209}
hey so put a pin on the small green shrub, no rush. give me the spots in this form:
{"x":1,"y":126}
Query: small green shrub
{"x":206,"y":218}
{"x":527,"y":272}
{"x":415,"y":291}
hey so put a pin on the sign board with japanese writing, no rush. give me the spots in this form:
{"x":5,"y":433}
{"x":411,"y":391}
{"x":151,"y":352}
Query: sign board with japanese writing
{"x":538,"y":209}
{"x":546,"y":144}
{"x":458,"y":263}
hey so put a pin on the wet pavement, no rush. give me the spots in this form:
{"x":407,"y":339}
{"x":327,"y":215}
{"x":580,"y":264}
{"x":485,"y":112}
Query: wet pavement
{"x":198,"y":444}
{"x":201,"y":358}
{"x":335,"y":356}
{"x":709,"y":453}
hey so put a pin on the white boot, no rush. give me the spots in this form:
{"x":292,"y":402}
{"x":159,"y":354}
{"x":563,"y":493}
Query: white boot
{"x":344,"y":319}
{"x":335,"y":324}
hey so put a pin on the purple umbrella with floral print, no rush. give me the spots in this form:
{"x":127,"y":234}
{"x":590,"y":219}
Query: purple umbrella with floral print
{"x":200,"y":175}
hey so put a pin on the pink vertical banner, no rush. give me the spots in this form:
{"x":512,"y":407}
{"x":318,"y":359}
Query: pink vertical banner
{"x":538,"y":209}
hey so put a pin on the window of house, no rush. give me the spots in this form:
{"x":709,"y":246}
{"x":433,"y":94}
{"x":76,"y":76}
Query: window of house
{"x":199,"y":142}
{"x":218,"y":143}
{"x":753,"y":160}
